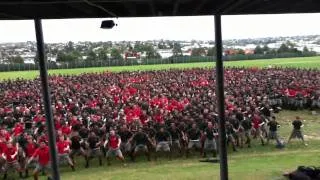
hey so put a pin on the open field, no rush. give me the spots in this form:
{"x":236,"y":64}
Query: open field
{"x":257,"y":163}
{"x":308,"y":62}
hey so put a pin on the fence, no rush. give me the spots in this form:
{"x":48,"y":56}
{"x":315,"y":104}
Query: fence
{"x":132,"y":62}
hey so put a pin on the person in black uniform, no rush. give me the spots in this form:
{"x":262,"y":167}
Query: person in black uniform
{"x":125,"y":135}
{"x":210,"y":144}
{"x":296,"y":131}
{"x":230,"y":135}
{"x":273,"y":131}
{"x":140,"y":142}
{"x":94,"y":150}
{"x":193,"y":136}
{"x":245,"y":129}
{"x":176,"y":136}
{"x":76,"y":148}
{"x":236,"y":126}
{"x":162,"y":141}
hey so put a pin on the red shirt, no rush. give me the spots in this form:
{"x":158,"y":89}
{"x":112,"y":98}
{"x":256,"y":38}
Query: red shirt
{"x":62,"y":145}
{"x":6,"y":135}
{"x":66,"y":130}
{"x":30,"y":149}
{"x":113,"y":142}
{"x":18,"y":130}
{"x":256,"y":121}
{"x":8,"y":152}
{"x":3,"y":146}
{"x":43,"y":154}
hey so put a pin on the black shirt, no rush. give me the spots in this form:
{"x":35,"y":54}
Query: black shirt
{"x":273,"y":126}
{"x":209,"y":133}
{"x":235,"y":123}
{"x":194,"y":134}
{"x":125,"y":135}
{"x":229,"y":129}
{"x":162,"y":136}
{"x":297,"y":124}
{"x":75,"y":142}
{"x":84,"y":132}
{"x":239,"y":116}
{"x":140,"y":138}
{"x":93,"y":140}
{"x":175,"y":134}
{"x":246,"y":124}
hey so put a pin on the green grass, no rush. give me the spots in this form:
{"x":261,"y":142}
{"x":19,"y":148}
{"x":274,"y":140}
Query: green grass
{"x":308,"y":62}
{"x":256,"y":163}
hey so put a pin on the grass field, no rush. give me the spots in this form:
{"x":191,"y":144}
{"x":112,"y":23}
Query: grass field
{"x":256,"y":163}
{"x":308,"y":62}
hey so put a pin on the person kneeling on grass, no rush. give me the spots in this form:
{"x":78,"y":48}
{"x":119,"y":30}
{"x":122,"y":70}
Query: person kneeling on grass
{"x":113,"y":141}
{"x":43,"y":155}
{"x":63,"y":152}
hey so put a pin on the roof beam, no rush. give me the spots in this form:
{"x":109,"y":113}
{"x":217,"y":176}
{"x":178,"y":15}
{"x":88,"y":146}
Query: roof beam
{"x":176,"y":7}
{"x":235,"y":5}
{"x":152,"y":8}
{"x":199,"y":7}
{"x":130,"y":7}
{"x":88,"y":10}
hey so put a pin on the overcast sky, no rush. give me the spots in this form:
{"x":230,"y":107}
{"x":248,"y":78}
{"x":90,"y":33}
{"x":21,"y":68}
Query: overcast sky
{"x":172,"y":28}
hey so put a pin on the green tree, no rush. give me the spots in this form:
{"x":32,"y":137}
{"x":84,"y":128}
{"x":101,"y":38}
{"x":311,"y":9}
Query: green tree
{"x":198,"y":52}
{"x":103,"y":54}
{"x":305,"y":50}
{"x":241,"y":51}
{"x":258,"y":50}
{"x":69,"y":47}
{"x":212,"y":51}
{"x":115,"y":53}
{"x":266,"y":49}
{"x":177,"y":51}
{"x":15,"y":60}
{"x":67,"y":57}
{"x":91,"y":56}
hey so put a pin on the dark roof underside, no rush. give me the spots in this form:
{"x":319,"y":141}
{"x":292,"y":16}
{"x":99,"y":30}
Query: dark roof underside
{"x":46,"y":9}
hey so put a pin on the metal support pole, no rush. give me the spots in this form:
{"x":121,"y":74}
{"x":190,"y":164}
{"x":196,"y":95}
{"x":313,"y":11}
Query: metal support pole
{"x":220,"y":98}
{"x":46,"y":99}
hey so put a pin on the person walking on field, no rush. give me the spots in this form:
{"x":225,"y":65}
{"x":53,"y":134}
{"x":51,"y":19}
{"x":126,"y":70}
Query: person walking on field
{"x":296,"y":131}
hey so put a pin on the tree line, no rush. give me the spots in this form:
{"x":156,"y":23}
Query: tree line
{"x":106,"y":51}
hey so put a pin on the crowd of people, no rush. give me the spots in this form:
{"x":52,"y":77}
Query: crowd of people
{"x":156,"y":113}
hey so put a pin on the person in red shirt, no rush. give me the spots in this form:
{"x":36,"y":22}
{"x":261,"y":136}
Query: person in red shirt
{"x":18,"y":129}
{"x":10,"y":154}
{"x":29,"y":151}
{"x":43,"y":155}
{"x":113,"y":142}
{"x":3,"y":146}
{"x":5,"y":134}
{"x":257,"y":123}
{"x":63,"y":147}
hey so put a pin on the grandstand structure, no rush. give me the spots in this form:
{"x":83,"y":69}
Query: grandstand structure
{"x":58,"y":9}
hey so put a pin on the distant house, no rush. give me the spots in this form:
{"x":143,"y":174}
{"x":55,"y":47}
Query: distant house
{"x":249,"y":51}
{"x":131,"y":55}
{"x":230,"y":52}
